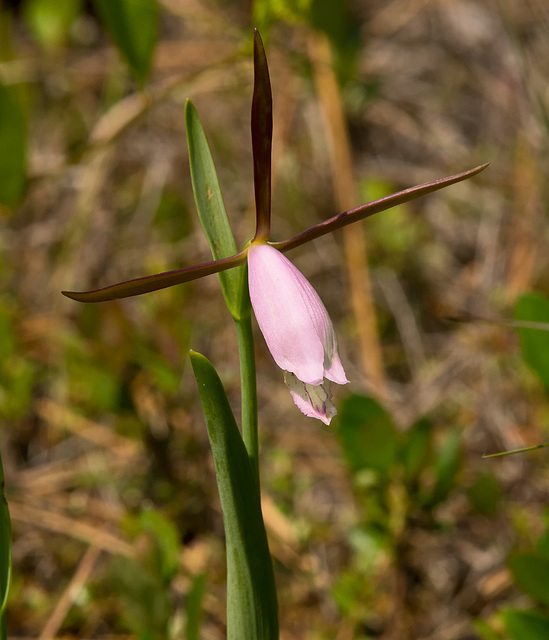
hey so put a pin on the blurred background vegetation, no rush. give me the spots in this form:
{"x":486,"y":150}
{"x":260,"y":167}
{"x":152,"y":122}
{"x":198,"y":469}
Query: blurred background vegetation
{"x":389,"y":524}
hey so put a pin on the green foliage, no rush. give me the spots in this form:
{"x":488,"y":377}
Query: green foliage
{"x":531,"y":574}
{"x":485,"y":494}
{"x":17,"y":372}
{"x":166,"y":550}
{"x":400,"y":479}
{"x":50,"y":20}
{"x":368,"y":435}
{"x":335,"y":20}
{"x":252,"y":610}
{"x":145,"y":603}
{"x":133,"y":26}
{"x":265,"y":12}
{"x":13,"y":147}
{"x":172,"y":216}
{"x":194,"y":607}
{"x":526,"y":625}
{"x":5,"y":545}
{"x":534,"y":343}
{"x":332,"y":18}
{"x":143,"y":584}
{"x":446,"y":466}
{"x":396,"y":231}
{"x":416,"y":450}
{"x":211,"y":209}
{"x":372,"y":443}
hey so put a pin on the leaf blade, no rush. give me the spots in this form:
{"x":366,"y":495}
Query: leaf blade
{"x":133,"y":27}
{"x":252,"y":610}
{"x":526,"y":625}
{"x":534,"y":344}
{"x":5,"y":546}
{"x":13,"y":142}
{"x":211,"y":207}
{"x":530,"y":572}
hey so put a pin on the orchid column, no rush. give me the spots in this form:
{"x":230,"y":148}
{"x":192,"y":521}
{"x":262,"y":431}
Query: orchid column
{"x":296,"y":327}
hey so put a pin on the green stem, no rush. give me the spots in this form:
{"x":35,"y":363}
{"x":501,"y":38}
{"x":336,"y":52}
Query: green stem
{"x":249,"y":389}
{"x":508,"y":453}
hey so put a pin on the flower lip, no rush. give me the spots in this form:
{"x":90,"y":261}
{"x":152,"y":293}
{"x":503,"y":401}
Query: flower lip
{"x":313,"y":401}
{"x":292,"y":318}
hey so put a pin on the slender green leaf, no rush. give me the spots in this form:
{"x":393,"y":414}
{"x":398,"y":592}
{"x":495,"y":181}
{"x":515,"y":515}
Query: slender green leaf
{"x":252,"y":611}
{"x":526,"y":625}
{"x":534,"y":343}
{"x":133,"y":25}
{"x":167,"y":538}
{"x":417,"y":449}
{"x":211,"y":208}
{"x":13,"y":143}
{"x":531,"y":574}
{"x":5,"y":545}
{"x":368,"y":435}
{"x":446,"y":466}
{"x":194,"y":607}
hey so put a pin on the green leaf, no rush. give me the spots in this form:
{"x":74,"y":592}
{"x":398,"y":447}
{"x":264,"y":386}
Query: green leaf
{"x":5,"y":545}
{"x":211,"y":208}
{"x":13,"y":143}
{"x":526,"y":625}
{"x":446,"y":466}
{"x":146,"y":606}
{"x":417,"y":449}
{"x":194,"y":607}
{"x":133,"y":25}
{"x":485,"y":494}
{"x":252,"y":611}
{"x":531,"y":574}
{"x":368,"y":435}
{"x":335,"y":20}
{"x":484,"y":630}
{"x":534,"y":343}
{"x":50,"y":20}
{"x":167,"y":538}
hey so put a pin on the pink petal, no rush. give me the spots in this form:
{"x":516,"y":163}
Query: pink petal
{"x":292,"y":318}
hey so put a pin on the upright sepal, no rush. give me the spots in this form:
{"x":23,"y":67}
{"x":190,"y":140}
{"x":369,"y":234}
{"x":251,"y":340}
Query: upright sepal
{"x":262,"y":135}
{"x":252,"y":610}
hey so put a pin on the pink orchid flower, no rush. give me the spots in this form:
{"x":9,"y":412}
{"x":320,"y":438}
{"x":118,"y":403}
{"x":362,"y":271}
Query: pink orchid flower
{"x":291,"y":316}
{"x":297,"y":329}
